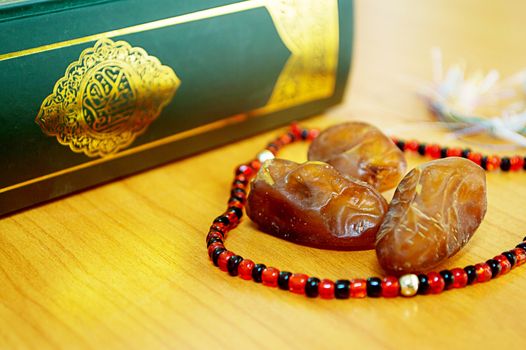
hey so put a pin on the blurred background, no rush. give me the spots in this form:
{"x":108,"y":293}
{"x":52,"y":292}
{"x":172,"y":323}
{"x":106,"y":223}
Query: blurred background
{"x":393,"y":42}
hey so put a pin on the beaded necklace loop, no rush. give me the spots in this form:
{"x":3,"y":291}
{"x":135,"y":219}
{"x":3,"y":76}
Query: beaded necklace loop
{"x":387,"y":287}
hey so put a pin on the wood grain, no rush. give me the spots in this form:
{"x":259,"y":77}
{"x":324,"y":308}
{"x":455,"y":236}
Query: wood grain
{"x":124,"y":266}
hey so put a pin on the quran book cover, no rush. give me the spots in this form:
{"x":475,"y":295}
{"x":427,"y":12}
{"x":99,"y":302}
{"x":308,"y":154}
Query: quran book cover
{"x":95,"y":90}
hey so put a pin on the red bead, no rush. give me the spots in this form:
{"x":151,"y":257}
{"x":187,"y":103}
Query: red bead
{"x":285,"y":139}
{"x":232,"y":217}
{"x":475,"y":157}
{"x":255,"y":164}
{"x":273,"y":149}
{"x":239,"y":185}
{"x":520,"y":256}
{"x":269,"y":277}
{"x":244,"y":169}
{"x":483,"y":272}
{"x":241,"y":178}
{"x":313,"y":133}
{"x":411,"y":145}
{"x":214,"y":234}
{"x":297,"y":283}
{"x":278,"y":143}
{"x":213,"y":247}
{"x":296,"y":131}
{"x":436,"y":283}
{"x":390,"y":287}
{"x":223,"y":260}
{"x":454,"y":152}
{"x":460,"y":278}
{"x":516,"y":163}
{"x":505,"y":265}
{"x":493,"y":163}
{"x":326,"y":289}
{"x":245,"y":269}
{"x":433,"y":150}
{"x":219,"y":226}
{"x":358,"y":288}
{"x":521,"y":163}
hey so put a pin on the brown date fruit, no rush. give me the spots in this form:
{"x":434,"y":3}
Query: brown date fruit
{"x":359,"y":150}
{"x":434,"y":212}
{"x":313,"y":204}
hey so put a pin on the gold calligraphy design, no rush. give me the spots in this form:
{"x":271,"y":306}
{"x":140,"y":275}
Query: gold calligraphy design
{"x":106,"y":98}
{"x":309,"y":29}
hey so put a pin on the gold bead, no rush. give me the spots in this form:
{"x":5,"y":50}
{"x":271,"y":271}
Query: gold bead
{"x":409,"y":285}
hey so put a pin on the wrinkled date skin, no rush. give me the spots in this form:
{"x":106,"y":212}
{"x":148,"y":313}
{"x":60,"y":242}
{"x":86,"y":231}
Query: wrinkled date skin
{"x":313,"y":204}
{"x":434,"y":212}
{"x":359,"y":150}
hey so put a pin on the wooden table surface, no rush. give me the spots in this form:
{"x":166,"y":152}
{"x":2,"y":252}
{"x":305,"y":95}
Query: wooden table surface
{"x":124,"y":266}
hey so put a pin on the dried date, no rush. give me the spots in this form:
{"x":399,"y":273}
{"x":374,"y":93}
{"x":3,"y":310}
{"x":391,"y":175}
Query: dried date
{"x":313,"y":204}
{"x":434,"y":212}
{"x":359,"y":150}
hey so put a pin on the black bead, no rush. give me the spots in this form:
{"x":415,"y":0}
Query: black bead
{"x":448,"y":278}
{"x":484,"y":162}
{"x":213,"y":240}
{"x":423,"y":284}
{"x":216,"y":253}
{"x":443,"y":152}
{"x":494,"y":266}
{"x":304,"y":134}
{"x":235,"y":199}
{"x":237,"y":191}
{"x":233,"y":264}
{"x":257,"y":271}
{"x":292,"y":136}
{"x":374,"y":287}
{"x":239,"y":182}
{"x":511,"y":257}
{"x":342,"y":289}
{"x":241,"y":197}
{"x":222,"y":219}
{"x":505,"y":164}
{"x":465,"y":153}
{"x":400,"y":144}
{"x":471,"y":271}
{"x":422,"y":149}
{"x":283,"y":280}
{"x":524,"y":239}
{"x":311,"y":288}
{"x":238,"y":212}
{"x":524,"y":166}
{"x":521,"y":245}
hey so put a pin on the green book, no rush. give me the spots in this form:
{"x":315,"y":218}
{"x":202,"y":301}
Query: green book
{"x":95,"y":90}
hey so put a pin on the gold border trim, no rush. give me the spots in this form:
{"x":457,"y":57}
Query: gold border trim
{"x":167,"y":22}
{"x":235,"y":119}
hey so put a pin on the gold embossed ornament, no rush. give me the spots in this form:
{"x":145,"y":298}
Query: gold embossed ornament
{"x":106,"y":98}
